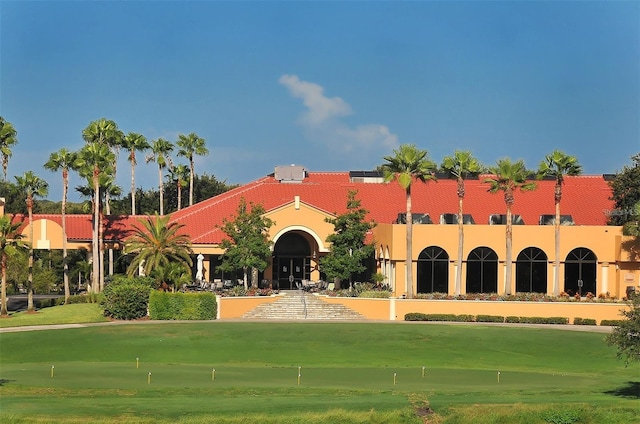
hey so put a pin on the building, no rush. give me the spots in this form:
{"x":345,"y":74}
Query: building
{"x":594,"y":257}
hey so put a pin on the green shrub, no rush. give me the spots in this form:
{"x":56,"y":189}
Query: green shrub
{"x":611,"y":322}
{"x":564,"y":416}
{"x":126,"y":298}
{"x":182,"y":306}
{"x":544,"y":320}
{"x":416,"y":316}
{"x":584,"y":321}
{"x":512,"y":320}
{"x":489,"y":318}
{"x":376,"y":294}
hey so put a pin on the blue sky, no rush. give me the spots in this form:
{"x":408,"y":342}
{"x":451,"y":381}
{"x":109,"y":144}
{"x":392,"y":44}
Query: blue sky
{"x":327,"y":85}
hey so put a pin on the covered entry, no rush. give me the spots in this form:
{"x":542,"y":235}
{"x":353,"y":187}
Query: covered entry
{"x":292,"y":258}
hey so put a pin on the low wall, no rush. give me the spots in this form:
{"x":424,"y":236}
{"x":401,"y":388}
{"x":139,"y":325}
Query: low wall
{"x":235,"y":307}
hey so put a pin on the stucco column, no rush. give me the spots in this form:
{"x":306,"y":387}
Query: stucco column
{"x":605,"y":278}
{"x":218,"y":297}
{"x":392,"y":309}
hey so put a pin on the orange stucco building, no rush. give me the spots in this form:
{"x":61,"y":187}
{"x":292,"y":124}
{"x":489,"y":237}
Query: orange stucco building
{"x":594,"y":257}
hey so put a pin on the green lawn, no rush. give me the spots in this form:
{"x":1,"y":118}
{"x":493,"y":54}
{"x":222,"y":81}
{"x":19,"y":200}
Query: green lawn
{"x":68,"y":314}
{"x":349,"y":372}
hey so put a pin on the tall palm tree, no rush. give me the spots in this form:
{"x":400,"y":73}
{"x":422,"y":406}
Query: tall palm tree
{"x":408,"y":163}
{"x":10,"y":243}
{"x":134,"y":142}
{"x":459,"y":166}
{"x":94,"y":159}
{"x":190,"y":145}
{"x":508,"y":177}
{"x":8,"y":138}
{"x":160,"y":150}
{"x":179,"y":174}
{"x":558,"y":164}
{"x":32,"y":186}
{"x":63,"y":160}
{"x":156,"y":243}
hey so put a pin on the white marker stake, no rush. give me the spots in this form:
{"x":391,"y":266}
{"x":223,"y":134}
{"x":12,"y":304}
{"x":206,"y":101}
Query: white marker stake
{"x":299,"y":374}
{"x":213,"y":374}
{"x":52,"y":367}
{"x":149,"y":379}
{"x":498,"y":376}
{"x":394,"y":378}
{"x":137,"y":362}
{"x":423,"y":371}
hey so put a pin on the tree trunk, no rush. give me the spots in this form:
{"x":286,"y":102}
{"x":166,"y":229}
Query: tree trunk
{"x":460,"y":248}
{"x":191,"y":182}
{"x":95,"y":254}
{"x":556,"y":276}
{"x":65,"y":278}
{"x":244,"y":271}
{"x":161,"y":187}
{"x":132,"y":158}
{"x":3,"y":300}
{"x":254,"y":278}
{"x":179,"y":194}
{"x":30,"y":277}
{"x":409,"y":260}
{"x":509,"y":237}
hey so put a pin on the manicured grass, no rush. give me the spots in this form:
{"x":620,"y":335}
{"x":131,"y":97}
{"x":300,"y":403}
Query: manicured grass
{"x":68,"y":314}
{"x":346,"y":374}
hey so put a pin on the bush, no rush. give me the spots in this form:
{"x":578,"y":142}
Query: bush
{"x":584,"y":321}
{"x":512,"y":320}
{"x":126,"y":298}
{"x":489,"y":318}
{"x":376,"y":294}
{"x":182,"y":306}
{"x":544,"y":320}
{"x":416,"y":316}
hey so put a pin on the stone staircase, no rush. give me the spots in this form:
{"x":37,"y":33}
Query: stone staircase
{"x":299,"y":305}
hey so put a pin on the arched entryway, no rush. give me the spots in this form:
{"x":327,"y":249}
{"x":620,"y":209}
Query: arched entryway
{"x":580,"y":270}
{"x":531,"y":271}
{"x":291,"y":260}
{"x":482,"y":271}
{"x":433,"y":270}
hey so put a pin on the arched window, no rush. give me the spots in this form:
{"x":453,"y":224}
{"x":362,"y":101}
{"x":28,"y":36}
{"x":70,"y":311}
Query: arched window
{"x":580,"y":270}
{"x":482,"y":271}
{"x":531,"y":271}
{"x":433,"y":270}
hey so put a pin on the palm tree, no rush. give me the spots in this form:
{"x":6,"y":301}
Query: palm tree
{"x":508,"y":177}
{"x":134,"y":142}
{"x":63,"y":159}
{"x":459,"y":166}
{"x":8,"y":138}
{"x":408,"y":163}
{"x":31,"y":185}
{"x":179,"y":174}
{"x":161,"y":149}
{"x":557,"y":164}
{"x":10,"y":243}
{"x":157,"y":243}
{"x":94,"y":159}
{"x":172,"y":274}
{"x":191,"y":145}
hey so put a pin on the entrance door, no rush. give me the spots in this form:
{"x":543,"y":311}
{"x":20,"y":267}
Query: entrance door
{"x":291,"y":259}
{"x":291,"y":271}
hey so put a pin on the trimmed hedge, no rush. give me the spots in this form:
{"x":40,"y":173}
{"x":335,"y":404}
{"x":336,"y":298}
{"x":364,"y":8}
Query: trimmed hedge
{"x":489,"y":318}
{"x":611,"y":322}
{"x":126,"y":298}
{"x":182,"y":306}
{"x":544,"y":320}
{"x":416,"y":316}
{"x":512,"y":320}
{"x":584,"y":321}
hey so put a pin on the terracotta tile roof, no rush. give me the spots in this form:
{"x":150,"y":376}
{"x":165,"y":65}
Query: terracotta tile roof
{"x":584,"y":197}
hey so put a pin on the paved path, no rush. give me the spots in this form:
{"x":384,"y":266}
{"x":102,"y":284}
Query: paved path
{"x":566,"y":327}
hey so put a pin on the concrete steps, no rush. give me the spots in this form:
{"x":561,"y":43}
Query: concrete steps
{"x":299,"y":305}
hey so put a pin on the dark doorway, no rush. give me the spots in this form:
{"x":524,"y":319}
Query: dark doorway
{"x":531,"y":271}
{"x":482,"y":271}
{"x":580,"y":270}
{"x":433,"y":270}
{"x":291,"y":260}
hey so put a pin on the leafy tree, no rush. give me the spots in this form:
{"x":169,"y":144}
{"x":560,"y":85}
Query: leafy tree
{"x":557,"y":165}
{"x":190,"y":145}
{"x":161,"y":149}
{"x":348,"y":242}
{"x":10,"y":243}
{"x":8,"y":139}
{"x":626,"y":336}
{"x":508,"y":177}
{"x":31,"y":185}
{"x":134,"y":142}
{"x":460,"y":166}
{"x":248,"y":244}
{"x":156,"y":243}
{"x":63,"y":160}
{"x":408,"y":163}
{"x":14,"y":203}
{"x":632,"y":227}
{"x":625,"y":190}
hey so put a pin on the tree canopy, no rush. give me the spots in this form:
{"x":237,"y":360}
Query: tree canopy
{"x":626,"y":336}
{"x":625,"y":192}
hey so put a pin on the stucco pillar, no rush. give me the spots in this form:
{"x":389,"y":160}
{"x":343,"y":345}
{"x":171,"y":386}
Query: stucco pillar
{"x":218,"y":297}
{"x":605,"y":278}
{"x":392,"y":309}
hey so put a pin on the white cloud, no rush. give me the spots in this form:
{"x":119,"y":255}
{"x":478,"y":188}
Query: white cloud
{"x":322,"y":120}
{"x":320,"y":108}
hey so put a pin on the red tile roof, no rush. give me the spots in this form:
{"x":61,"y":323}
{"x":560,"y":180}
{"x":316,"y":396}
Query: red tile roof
{"x":586,"y":198}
